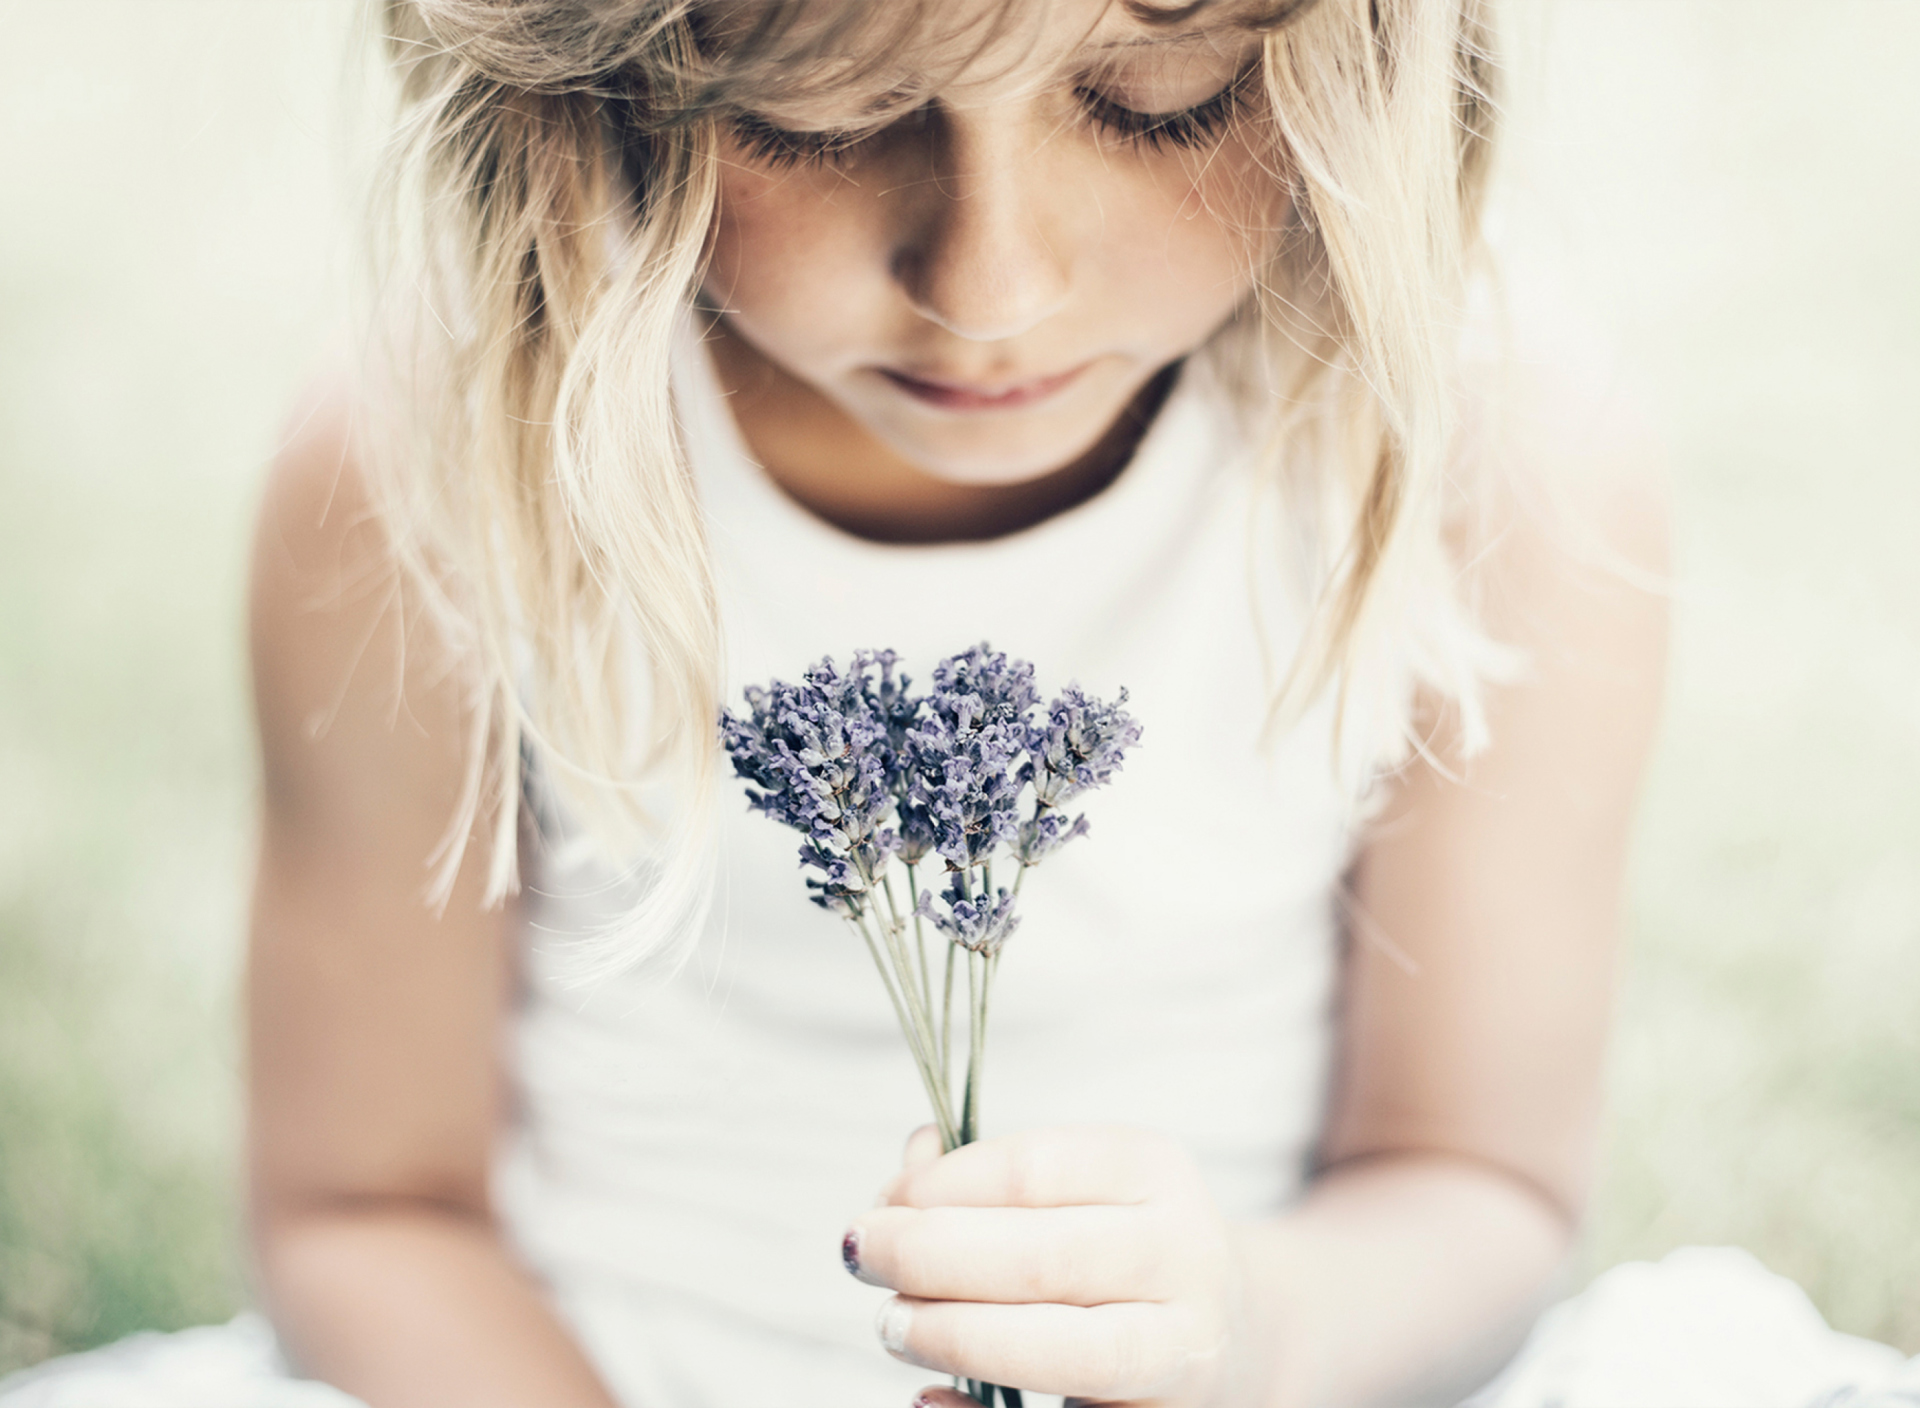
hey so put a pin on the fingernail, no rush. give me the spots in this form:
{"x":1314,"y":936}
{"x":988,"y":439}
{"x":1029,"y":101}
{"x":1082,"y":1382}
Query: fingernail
{"x":895,"y":1319}
{"x":850,"y":1251}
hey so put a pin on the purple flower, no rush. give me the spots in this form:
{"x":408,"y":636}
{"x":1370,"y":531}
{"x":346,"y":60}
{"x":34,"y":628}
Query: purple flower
{"x":893,"y":706}
{"x":964,"y":756}
{"x":975,"y":922}
{"x":1080,"y":746}
{"x":916,"y":832}
{"x":1000,"y":690}
{"x":866,"y":771}
{"x":1045,"y":834}
{"x":819,"y":759}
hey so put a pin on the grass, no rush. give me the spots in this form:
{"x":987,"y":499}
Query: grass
{"x":1718,"y":171}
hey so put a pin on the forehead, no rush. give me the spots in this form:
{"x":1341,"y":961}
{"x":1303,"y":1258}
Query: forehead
{"x":886,"y":56}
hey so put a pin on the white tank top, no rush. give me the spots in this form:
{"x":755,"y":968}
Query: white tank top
{"x":689,"y":1149}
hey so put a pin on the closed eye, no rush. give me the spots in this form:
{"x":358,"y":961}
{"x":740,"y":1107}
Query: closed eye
{"x":1184,"y":127}
{"x":782,"y":147}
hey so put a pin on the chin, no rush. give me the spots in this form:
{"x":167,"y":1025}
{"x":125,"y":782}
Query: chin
{"x":993,"y":451}
{"x":985,"y":466}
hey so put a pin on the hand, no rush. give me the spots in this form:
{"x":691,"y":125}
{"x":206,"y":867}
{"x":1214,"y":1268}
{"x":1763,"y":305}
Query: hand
{"x":1087,"y":1261}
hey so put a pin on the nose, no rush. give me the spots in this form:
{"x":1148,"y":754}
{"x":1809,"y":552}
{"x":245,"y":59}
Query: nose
{"x":984,"y":251}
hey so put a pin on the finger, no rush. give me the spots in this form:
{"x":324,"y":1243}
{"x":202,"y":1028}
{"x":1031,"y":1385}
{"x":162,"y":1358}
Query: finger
{"x":940,"y":1396}
{"x":1073,"y":1256}
{"x":1047,"y":1168}
{"x":923,"y":1147}
{"x":1125,"y":1350}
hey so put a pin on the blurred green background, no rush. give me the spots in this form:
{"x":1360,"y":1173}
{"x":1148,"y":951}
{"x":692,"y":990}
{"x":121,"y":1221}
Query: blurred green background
{"x":1730,"y":187}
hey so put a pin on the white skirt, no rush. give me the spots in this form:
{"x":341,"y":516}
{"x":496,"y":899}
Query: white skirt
{"x":1708,"y":1327}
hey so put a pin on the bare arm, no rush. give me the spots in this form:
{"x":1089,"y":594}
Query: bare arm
{"x":373,"y":1026}
{"x":1479,"y":984}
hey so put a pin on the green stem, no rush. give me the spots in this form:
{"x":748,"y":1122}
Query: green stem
{"x":942,"y":1117}
{"x":899,"y":926}
{"x":977,"y":1062}
{"x":969,"y":1119}
{"x":903,"y":968}
{"x":920,"y":943}
{"x":946,"y":1020}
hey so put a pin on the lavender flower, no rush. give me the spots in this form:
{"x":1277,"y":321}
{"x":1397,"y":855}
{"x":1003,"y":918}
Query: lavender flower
{"x":1001,"y":688}
{"x":916,"y":832}
{"x":820,"y":755}
{"x":1080,"y":746}
{"x":965,"y":756}
{"x":1045,"y":834}
{"x":893,"y":706}
{"x":979,"y":923}
{"x":898,"y":712}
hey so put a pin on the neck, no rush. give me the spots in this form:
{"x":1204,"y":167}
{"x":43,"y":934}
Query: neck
{"x":831,"y":466}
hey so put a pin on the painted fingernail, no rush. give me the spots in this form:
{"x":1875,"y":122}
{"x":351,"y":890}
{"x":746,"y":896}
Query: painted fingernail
{"x":850,"y":1251}
{"x":895,"y":1319}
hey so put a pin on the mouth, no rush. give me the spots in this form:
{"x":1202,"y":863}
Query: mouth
{"x":953,"y":395}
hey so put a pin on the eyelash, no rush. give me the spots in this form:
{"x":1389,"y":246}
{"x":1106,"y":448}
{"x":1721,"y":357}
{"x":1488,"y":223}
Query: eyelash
{"x":1189,"y":127}
{"x":782,"y":147}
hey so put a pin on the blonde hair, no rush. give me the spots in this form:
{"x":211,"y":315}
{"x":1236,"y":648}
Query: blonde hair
{"x":545,"y":203}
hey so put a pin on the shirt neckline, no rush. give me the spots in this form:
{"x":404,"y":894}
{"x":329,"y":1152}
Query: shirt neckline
{"x":1178,"y":447}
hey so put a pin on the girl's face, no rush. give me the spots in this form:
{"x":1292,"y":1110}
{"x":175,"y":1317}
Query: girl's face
{"x":983,"y":287}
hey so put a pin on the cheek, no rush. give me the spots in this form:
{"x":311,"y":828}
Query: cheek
{"x":796,"y":257}
{"x":1194,"y":231}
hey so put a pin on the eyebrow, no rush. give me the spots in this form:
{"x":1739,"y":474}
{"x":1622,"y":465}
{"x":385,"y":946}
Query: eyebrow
{"x":1152,"y":41}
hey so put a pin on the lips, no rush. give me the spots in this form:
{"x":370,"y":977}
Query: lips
{"x":954,"y":395}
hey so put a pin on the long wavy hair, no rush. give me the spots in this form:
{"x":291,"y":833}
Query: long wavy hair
{"x":545,"y":199}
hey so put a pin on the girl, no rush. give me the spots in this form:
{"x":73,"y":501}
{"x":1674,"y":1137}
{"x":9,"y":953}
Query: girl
{"x":1130,"y":336}
{"x":1143,"y":338}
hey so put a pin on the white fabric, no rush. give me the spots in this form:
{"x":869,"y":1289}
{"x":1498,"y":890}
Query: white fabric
{"x":236,"y":1365}
{"x":1708,"y":1327}
{"x":693,"y":1149}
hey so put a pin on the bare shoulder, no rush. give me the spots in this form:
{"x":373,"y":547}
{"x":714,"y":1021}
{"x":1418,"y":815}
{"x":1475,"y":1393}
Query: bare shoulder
{"x":357,"y":712}
{"x":1567,"y":541}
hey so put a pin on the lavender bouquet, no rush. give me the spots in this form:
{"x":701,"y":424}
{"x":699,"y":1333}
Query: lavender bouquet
{"x":878,"y":779}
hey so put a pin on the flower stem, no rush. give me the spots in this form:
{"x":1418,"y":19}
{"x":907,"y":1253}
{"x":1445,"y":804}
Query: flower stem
{"x":899,"y":927}
{"x":920,"y":942}
{"x":903,"y":971}
{"x":969,"y":1109}
{"x":921,"y":1057}
{"x":977,"y":1062}
{"x":946,"y":1020}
